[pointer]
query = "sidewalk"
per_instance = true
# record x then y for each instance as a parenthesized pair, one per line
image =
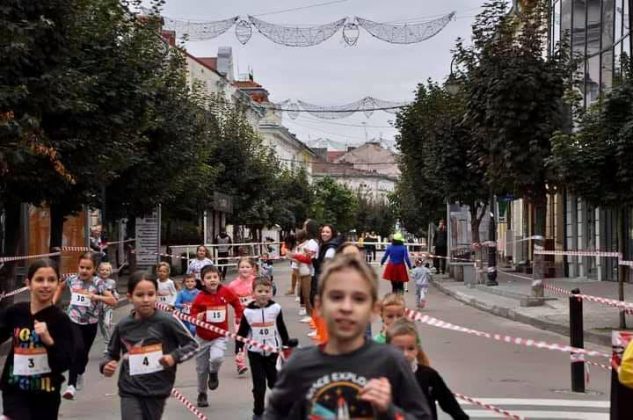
(504, 300)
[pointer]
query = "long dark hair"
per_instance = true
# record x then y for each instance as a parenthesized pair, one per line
(42, 263)
(312, 229)
(334, 233)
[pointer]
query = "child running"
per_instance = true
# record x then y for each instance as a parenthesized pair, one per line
(167, 289)
(185, 298)
(107, 311)
(422, 277)
(242, 286)
(403, 335)
(262, 321)
(86, 302)
(211, 305)
(203, 258)
(41, 348)
(392, 308)
(348, 376)
(151, 343)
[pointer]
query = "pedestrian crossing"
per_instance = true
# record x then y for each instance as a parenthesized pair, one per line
(528, 408)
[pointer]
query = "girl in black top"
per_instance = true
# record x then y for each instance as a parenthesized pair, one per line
(403, 335)
(41, 349)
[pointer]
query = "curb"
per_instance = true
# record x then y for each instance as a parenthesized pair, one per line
(599, 339)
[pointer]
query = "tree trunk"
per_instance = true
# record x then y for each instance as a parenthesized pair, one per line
(57, 226)
(621, 268)
(538, 273)
(475, 223)
(13, 243)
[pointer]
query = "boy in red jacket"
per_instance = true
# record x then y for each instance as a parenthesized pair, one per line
(211, 305)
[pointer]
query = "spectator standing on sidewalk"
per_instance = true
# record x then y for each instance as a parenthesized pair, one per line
(223, 241)
(440, 242)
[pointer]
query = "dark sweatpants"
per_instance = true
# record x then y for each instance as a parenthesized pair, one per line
(142, 408)
(84, 337)
(263, 369)
(24, 405)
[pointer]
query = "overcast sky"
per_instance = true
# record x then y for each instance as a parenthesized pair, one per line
(333, 73)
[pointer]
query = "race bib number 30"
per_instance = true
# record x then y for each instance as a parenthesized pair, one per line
(30, 361)
(146, 359)
(79, 299)
(216, 314)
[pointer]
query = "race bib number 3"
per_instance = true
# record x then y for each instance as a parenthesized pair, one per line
(30, 361)
(79, 299)
(146, 359)
(216, 314)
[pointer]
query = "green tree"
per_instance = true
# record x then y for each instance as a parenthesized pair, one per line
(515, 102)
(334, 203)
(291, 197)
(374, 215)
(596, 161)
(439, 156)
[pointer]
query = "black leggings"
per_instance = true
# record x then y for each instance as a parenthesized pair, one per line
(397, 287)
(25, 405)
(84, 337)
(263, 369)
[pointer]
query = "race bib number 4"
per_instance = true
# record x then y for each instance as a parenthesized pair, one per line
(30, 361)
(263, 330)
(79, 299)
(146, 359)
(216, 314)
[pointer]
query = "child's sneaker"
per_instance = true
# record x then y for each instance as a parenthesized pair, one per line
(242, 370)
(202, 400)
(302, 311)
(213, 381)
(69, 394)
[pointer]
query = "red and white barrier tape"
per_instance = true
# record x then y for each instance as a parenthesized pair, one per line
(76, 249)
(217, 330)
(28, 257)
(588, 253)
(425, 319)
(487, 406)
(192, 408)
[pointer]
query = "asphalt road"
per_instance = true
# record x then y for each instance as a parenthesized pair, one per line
(529, 382)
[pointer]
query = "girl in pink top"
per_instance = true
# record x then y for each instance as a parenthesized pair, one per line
(242, 286)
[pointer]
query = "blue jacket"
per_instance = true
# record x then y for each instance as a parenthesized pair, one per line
(397, 254)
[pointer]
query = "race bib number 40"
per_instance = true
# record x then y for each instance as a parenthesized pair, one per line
(263, 330)
(216, 314)
(30, 361)
(79, 299)
(146, 359)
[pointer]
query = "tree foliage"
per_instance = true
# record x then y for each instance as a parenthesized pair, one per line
(334, 203)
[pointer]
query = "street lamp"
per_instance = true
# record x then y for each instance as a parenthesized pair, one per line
(452, 84)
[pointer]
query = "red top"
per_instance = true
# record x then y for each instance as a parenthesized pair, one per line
(216, 305)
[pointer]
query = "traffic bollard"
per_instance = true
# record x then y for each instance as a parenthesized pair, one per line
(576, 339)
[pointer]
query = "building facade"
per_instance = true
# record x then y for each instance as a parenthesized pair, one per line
(598, 32)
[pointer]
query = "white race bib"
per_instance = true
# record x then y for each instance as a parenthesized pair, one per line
(165, 299)
(30, 361)
(245, 300)
(144, 360)
(263, 330)
(216, 314)
(186, 309)
(79, 299)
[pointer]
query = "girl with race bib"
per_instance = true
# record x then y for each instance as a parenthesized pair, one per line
(41, 348)
(151, 343)
(211, 305)
(167, 289)
(242, 286)
(107, 312)
(87, 297)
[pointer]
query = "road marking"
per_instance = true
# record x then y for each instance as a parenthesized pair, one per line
(542, 402)
(532, 414)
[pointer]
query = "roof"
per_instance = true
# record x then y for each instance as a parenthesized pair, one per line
(370, 152)
(332, 155)
(210, 62)
(345, 170)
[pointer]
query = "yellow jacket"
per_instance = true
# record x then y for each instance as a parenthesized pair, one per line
(626, 367)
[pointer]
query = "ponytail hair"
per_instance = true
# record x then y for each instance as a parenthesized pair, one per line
(404, 326)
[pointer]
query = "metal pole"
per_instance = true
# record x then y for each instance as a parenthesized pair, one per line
(576, 339)
(492, 244)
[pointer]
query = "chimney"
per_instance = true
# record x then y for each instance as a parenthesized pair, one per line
(225, 63)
